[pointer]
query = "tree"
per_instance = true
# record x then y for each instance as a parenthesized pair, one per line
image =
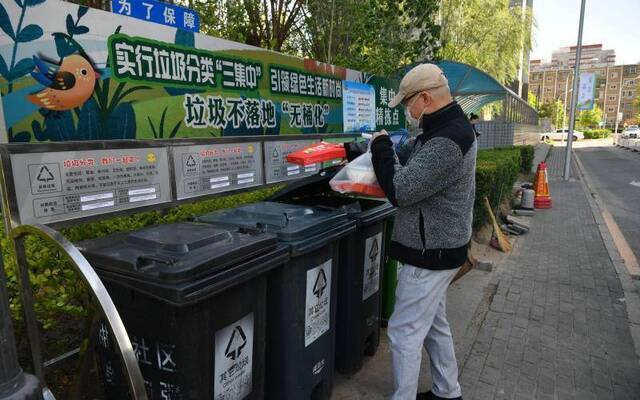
(555, 112)
(589, 119)
(377, 36)
(267, 24)
(532, 100)
(488, 34)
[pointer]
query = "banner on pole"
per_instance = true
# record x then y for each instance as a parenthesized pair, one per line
(586, 91)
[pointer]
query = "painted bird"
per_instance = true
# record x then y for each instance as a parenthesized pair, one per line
(68, 85)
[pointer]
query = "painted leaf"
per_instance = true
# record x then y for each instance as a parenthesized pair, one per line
(82, 10)
(5, 22)
(29, 33)
(63, 46)
(58, 126)
(185, 38)
(22, 68)
(121, 123)
(4, 71)
(70, 24)
(89, 122)
(19, 3)
(37, 131)
(22, 137)
(81, 30)
(31, 3)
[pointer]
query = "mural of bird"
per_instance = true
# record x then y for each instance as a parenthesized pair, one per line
(68, 85)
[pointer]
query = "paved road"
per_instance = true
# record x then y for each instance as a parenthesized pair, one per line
(615, 177)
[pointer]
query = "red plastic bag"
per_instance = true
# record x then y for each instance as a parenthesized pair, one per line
(358, 177)
(316, 153)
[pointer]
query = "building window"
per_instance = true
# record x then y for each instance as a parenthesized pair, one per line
(613, 87)
(612, 98)
(611, 109)
(614, 75)
(629, 82)
(630, 70)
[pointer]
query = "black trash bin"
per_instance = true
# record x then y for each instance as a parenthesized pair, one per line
(301, 298)
(192, 298)
(361, 258)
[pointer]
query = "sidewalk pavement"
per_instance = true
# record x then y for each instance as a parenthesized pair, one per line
(557, 327)
(550, 321)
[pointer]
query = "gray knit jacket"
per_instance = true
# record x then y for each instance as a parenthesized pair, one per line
(431, 179)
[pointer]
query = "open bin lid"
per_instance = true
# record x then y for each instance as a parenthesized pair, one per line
(171, 258)
(315, 190)
(291, 223)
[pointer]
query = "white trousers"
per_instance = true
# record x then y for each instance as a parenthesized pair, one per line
(420, 318)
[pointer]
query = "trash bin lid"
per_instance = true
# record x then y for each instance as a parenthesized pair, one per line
(290, 222)
(175, 252)
(315, 190)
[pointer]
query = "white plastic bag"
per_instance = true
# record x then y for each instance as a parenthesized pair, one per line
(358, 177)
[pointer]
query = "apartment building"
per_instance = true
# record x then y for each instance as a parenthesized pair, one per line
(593, 56)
(617, 86)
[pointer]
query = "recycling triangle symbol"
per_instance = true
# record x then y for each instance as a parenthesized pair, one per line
(191, 162)
(275, 153)
(45, 175)
(320, 285)
(237, 341)
(373, 253)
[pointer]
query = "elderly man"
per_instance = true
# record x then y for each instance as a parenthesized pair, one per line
(431, 179)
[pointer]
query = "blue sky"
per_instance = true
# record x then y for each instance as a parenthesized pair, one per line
(614, 23)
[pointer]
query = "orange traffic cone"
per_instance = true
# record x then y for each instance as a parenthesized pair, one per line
(543, 198)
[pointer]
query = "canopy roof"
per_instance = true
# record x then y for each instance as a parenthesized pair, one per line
(474, 88)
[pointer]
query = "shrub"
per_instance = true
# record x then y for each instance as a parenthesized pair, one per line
(496, 172)
(58, 296)
(597, 134)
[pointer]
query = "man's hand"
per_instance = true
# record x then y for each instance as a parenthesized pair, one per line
(377, 134)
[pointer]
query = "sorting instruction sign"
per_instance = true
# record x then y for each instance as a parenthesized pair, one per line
(234, 360)
(208, 169)
(277, 167)
(371, 273)
(318, 302)
(57, 186)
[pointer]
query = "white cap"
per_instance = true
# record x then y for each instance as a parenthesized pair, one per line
(420, 78)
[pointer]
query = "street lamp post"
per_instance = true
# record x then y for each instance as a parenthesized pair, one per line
(574, 96)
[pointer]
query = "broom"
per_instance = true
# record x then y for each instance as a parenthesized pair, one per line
(503, 242)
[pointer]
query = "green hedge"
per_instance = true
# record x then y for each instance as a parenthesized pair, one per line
(496, 173)
(597, 134)
(58, 296)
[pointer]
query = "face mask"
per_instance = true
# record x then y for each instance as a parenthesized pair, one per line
(413, 122)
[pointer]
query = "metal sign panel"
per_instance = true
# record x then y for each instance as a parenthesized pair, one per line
(208, 169)
(277, 169)
(59, 186)
(158, 12)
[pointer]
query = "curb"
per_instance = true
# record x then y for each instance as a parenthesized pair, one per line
(631, 297)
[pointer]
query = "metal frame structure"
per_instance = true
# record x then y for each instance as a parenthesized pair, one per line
(473, 89)
(18, 233)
